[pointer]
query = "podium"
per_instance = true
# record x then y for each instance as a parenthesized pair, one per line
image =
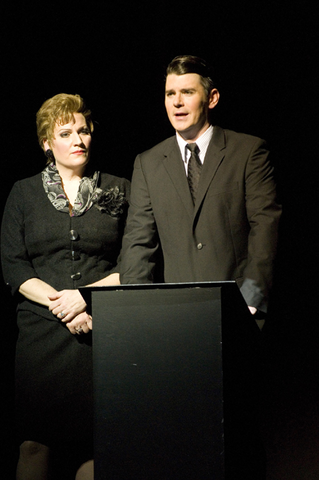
(164, 357)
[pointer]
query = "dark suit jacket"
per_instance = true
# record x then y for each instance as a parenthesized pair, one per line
(230, 234)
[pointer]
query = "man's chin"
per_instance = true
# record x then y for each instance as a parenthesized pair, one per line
(188, 134)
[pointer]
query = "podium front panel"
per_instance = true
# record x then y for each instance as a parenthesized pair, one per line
(158, 383)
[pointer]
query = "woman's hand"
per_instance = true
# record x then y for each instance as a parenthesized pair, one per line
(67, 304)
(82, 323)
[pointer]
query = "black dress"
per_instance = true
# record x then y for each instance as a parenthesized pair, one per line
(53, 367)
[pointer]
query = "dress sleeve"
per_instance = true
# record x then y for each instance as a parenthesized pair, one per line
(16, 265)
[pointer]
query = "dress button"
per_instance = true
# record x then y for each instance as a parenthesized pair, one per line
(76, 276)
(75, 255)
(74, 235)
(199, 246)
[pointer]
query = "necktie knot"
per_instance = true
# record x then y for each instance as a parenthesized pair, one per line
(193, 147)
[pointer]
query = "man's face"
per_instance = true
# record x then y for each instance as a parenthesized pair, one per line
(187, 104)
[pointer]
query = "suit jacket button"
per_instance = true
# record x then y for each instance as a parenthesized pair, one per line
(199, 246)
(76, 276)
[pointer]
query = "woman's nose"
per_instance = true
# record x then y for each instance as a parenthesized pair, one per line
(77, 138)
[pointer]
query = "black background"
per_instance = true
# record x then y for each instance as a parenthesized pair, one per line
(114, 55)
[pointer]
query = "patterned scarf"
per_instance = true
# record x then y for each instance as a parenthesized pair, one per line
(52, 185)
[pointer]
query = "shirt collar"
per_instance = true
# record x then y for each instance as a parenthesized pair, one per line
(202, 142)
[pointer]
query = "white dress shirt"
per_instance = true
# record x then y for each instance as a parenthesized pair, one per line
(202, 143)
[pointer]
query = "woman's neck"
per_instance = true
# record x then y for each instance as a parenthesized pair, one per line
(67, 175)
(71, 188)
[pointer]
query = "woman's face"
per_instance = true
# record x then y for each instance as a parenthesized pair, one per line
(71, 144)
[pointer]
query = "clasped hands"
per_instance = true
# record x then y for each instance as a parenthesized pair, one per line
(70, 307)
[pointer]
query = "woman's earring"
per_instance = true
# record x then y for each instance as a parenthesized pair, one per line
(49, 154)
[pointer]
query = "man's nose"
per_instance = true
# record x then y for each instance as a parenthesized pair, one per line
(178, 100)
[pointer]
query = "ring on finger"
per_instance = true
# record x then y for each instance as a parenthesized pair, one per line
(62, 314)
(79, 330)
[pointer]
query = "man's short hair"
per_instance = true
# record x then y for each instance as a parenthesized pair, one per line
(183, 64)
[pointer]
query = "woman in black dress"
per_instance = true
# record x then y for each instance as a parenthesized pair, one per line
(61, 229)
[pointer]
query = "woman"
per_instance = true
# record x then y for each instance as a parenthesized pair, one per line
(61, 229)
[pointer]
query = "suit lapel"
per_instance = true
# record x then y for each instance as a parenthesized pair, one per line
(173, 164)
(214, 155)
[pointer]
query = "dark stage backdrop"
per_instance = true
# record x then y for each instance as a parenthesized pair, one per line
(265, 58)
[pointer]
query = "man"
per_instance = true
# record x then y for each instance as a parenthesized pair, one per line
(203, 206)
(225, 228)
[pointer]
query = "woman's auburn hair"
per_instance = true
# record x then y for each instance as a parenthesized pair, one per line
(60, 110)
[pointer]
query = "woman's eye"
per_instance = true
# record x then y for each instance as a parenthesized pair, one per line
(64, 134)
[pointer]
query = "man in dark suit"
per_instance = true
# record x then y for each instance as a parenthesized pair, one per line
(203, 206)
(222, 228)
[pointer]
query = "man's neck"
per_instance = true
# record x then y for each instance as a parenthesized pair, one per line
(191, 136)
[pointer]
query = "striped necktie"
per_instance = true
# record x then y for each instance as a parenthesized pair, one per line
(194, 169)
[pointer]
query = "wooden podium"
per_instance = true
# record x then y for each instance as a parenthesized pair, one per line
(159, 356)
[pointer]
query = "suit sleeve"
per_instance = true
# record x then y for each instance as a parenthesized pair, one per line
(263, 213)
(140, 243)
(16, 265)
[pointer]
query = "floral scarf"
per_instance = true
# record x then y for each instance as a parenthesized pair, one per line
(111, 201)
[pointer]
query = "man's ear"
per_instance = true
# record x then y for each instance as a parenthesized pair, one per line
(213, 98)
